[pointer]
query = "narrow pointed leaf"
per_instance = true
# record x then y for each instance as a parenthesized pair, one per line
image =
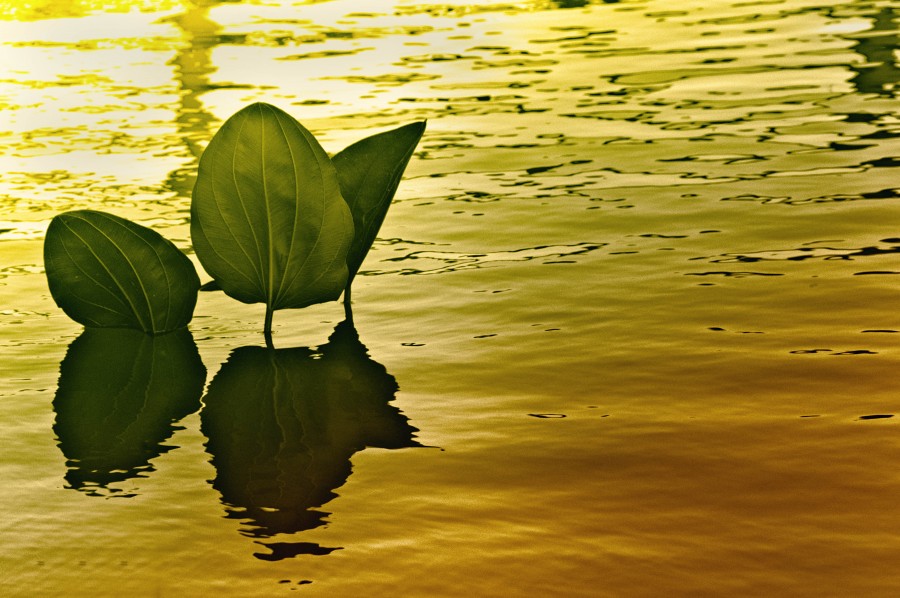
(108, 272)
(369, 172)
(268, 222)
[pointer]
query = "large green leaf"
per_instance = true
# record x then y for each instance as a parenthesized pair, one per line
(369, 172)
(283, 425)
(268, 221)
(108, 272)
(120, 393)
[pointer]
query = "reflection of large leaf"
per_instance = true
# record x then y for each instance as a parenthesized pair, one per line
(105, 271)
(120, 393)
(283, 424)
(267, 218)
(369, 172)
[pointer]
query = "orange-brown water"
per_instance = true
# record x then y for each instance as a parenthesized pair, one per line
(630, 329)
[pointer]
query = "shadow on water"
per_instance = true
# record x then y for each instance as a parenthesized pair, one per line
(282, 426)
(120, 395)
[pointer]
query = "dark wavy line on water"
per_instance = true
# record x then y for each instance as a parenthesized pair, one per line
(806, 253)
(834, 198)
(452, 261)
(733, 274)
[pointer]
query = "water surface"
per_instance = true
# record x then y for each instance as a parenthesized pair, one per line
(630, 327)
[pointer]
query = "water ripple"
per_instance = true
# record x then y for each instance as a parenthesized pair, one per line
(886, 246)
(446, 261)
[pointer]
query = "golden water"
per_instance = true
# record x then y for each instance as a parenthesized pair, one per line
(630, 329)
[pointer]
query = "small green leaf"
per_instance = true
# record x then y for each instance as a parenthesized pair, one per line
(120, 393)
(268, 221)
(108, 272)
(369, 172)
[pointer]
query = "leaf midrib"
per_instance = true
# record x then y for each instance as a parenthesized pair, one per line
(269, 233)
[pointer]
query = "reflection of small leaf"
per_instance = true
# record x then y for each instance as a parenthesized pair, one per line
(120, 392)
(283, 425)
(369, 172)
(107, 272)
(267, 218)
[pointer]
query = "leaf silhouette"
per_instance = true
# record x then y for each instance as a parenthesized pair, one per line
(283, 424)
(108, 272)
(268, 222)
(369, 172)
(120, 393)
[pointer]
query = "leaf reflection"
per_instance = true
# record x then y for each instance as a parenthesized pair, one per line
(878, 73)
(120, 393)
(283, 424)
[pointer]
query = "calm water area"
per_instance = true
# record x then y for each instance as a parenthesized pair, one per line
(630, 329)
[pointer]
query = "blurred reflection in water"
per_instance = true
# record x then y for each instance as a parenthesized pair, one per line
(879, 74)
(571, 3)
(193, 64)
(120, 393)
(283, 424)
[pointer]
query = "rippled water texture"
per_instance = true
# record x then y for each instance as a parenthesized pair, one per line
(630, 327)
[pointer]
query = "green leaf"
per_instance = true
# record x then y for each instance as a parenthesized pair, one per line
(268, 221)
(283, 425)
(120, 393)
(108, 272)
(369, 172)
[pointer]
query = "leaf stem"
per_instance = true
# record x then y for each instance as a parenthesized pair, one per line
(267, 327)
(348, 310)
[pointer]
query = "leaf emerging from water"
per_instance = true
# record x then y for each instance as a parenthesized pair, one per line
(268, 221)
(369, 172)
(108, 272)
